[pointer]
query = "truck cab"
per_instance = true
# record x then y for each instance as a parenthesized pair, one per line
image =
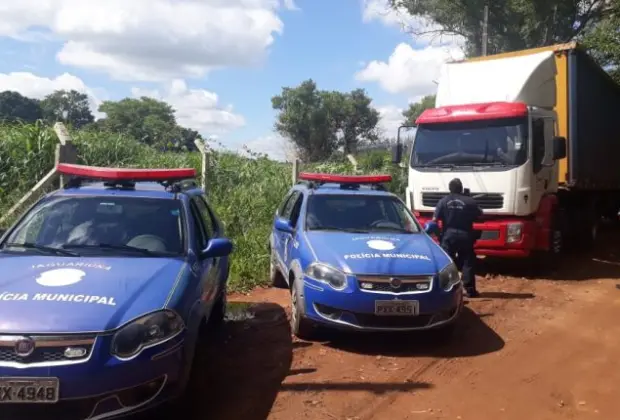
(495, 126)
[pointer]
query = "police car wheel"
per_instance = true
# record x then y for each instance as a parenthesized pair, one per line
(300, 326)
(218, 312)
(276, 278)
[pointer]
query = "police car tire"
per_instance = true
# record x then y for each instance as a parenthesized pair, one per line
(218, 313)
(300, 326)
(276, 278)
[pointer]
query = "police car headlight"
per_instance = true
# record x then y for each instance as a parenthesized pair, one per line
(146, 332)
(514, 231)
(326, 274)
(449, 276)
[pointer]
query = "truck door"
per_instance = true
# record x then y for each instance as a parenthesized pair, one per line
(542, 155)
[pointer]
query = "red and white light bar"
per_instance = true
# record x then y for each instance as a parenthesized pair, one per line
(345, 179)
(125, 174)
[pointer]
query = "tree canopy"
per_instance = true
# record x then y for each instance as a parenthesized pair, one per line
(318, 122)
(415, 109)
(69, 106)
(15, 107)
(512, 24)
(147, 120)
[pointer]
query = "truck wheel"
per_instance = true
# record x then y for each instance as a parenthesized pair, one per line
(276, 278)
(301, 327)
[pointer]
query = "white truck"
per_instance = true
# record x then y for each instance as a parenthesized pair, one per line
(534, 136)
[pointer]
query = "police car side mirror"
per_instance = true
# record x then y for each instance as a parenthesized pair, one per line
(283, 225)
(217, 247)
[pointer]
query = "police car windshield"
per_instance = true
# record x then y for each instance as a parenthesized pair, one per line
(358, 214)
(128, 226)
(501, 142)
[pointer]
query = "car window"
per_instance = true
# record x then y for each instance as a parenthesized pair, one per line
(284, 203)
(207, 217)
(359, 213)
(288, 208)
(200, 235)
(296, 209)
(146, 223)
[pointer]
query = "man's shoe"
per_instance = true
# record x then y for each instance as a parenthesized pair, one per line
(472, 293)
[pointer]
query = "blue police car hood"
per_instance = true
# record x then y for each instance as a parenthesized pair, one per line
(389, 254)
(44, 294)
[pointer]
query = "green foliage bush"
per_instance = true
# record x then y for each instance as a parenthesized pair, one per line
(244, 192)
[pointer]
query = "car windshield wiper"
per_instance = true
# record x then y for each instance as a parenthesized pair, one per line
(112, 247)
(43, 248)
(339, 229)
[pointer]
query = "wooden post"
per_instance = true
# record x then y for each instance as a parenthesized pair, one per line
(204, 162)
(295, 171)
(66, 151)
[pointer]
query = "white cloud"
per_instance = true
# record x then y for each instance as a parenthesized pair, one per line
(150, 40)
(391, 119)
(274, 146)
(409, 71)
(423, 30)
(196, 108)
(33, 86)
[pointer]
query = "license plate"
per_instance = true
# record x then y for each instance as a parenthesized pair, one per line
(396, 307)
(28, 390)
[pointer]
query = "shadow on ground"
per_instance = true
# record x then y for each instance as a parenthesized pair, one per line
(600, 262)
(472, 337)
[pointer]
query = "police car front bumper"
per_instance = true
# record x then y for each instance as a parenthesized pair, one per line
(356, 310)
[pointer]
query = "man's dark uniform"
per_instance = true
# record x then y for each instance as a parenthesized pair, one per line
(458, 212)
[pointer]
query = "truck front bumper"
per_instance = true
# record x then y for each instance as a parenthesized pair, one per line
(495, 240)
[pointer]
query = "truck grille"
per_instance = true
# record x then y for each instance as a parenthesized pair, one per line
(486, 201)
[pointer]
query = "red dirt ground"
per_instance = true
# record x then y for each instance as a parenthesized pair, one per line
(527, 349)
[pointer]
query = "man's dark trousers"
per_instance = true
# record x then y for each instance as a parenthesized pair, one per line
(459, 245)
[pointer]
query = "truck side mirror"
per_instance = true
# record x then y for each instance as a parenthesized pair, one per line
(559, 148)
(397, 153)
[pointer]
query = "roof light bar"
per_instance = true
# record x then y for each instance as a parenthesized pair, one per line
(125, 174)
(345, 179)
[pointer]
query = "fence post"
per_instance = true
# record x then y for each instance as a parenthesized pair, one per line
(204, 162)
(353, 161)
(66, 151)
(295, 171)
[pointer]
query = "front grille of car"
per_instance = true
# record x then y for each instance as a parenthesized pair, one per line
(47, 349)
(486, 201)
(395, 284)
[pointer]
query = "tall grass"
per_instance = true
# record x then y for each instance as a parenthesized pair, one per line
(243, 191)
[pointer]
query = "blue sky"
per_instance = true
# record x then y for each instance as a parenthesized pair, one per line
(219, 62)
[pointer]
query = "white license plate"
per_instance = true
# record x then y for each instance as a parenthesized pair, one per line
(397, 307)
(29, 390)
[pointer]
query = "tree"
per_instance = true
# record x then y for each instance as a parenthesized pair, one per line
(15, 107)
(512, 24)
(318, 122)
(415, 110)
(69, 106)
(604, 41)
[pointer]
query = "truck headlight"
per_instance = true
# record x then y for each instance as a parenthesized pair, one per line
(514, 231)
(449, 276)
(326, 274)
(146, 331)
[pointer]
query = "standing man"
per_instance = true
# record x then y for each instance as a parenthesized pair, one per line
(458, 212)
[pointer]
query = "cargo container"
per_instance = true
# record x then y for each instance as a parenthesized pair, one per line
(534, 135)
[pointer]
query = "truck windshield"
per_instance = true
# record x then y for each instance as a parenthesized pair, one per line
(501, 142)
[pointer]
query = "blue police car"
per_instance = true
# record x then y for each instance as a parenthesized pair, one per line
(105, 286)
(354, 257)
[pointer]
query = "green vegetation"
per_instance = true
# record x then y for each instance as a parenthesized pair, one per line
(244, 191)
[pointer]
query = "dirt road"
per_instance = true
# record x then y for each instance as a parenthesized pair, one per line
(527, 349)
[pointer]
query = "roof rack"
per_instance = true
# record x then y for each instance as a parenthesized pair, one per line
(174, 180)
(353, 182)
